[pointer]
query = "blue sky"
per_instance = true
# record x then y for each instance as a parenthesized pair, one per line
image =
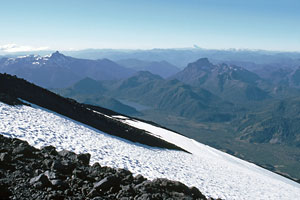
(146, 24)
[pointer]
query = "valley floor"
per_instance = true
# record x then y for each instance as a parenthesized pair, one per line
(282, 159)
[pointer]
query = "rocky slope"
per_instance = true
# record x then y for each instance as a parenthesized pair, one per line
(277, 123)
(30, 173)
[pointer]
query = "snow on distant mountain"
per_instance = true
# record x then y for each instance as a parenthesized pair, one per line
(215, 173)
(59, 71)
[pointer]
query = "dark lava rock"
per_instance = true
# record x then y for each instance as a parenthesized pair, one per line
(93, 193)
(49, 149)
(52, 175)
(84, 158)
(79, 174)
(40, 181)
(68, 155)
(57, 166)
(29, 173)
(59, 184)
(5, 157)
(62, 166)
(5, 193)
(24, 149)
(139, 179)
(10, 100)
(107, 183)
(47, 163)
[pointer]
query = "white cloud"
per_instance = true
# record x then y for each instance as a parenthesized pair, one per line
(12, 48)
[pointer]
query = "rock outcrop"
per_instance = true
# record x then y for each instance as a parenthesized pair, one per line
(30, 173)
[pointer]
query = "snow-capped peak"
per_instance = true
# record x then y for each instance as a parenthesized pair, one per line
(37, 60)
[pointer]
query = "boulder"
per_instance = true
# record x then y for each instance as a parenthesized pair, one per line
(68, 154)
(25, 150)
(4, 190)
(84, 158)
(40, 181)
(5, 157)
(49, 149)
(106, 183)
(59, 184)
(52, 175)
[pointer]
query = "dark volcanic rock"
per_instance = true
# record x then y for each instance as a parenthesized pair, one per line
(52, 175)
(5, 157)
(10, 100)
(40, 181)
(46, 174)
(107, 183)
(50, 150)
(5, 193)
(59, 184)
(24, 149)
(84, 158)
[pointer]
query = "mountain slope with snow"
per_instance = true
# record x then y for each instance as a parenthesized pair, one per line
(60, 71)
(215, 173)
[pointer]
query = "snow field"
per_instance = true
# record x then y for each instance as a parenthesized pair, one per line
(215, 173)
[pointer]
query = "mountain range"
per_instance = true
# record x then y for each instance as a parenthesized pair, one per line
(57, 70)
(226, 106)
(153, 91)
(223, 105)
(232, 83)
(253, 60)
(285, 77)
(172, 96)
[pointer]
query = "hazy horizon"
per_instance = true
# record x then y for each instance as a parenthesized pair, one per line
(210, 24)
(29, 49)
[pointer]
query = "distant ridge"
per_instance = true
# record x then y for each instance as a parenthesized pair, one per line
(90, 91)
(59, 71)
(230, 82)
(161, 68)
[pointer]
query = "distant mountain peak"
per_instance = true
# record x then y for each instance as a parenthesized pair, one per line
(223, 79)
(203, 62)
(57, 54)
